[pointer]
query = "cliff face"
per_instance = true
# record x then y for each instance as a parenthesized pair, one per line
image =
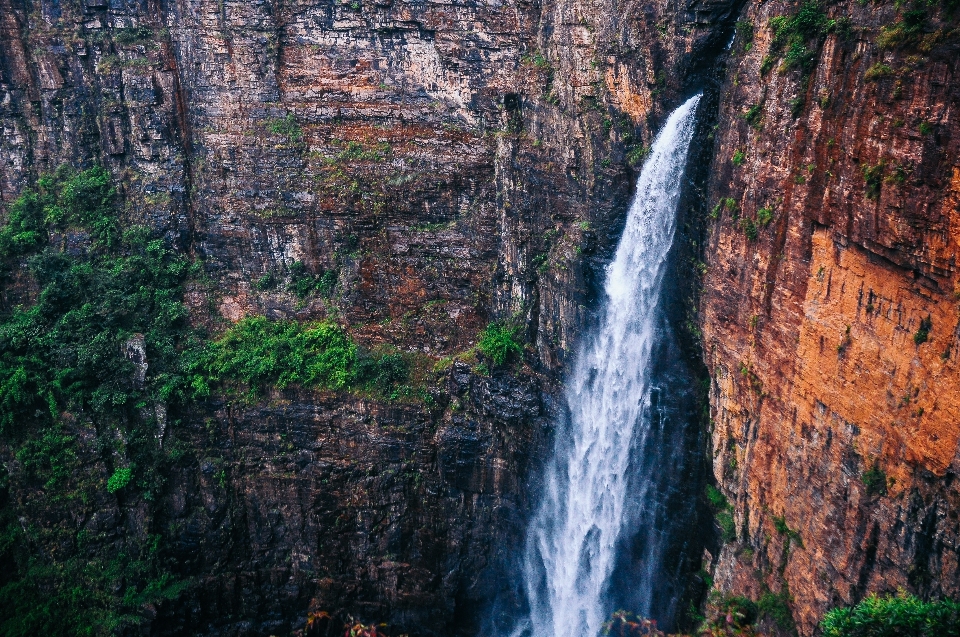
(452, 163)
(830, 310)
(446, 164)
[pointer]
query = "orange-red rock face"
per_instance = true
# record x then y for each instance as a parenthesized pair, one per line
(823, 380)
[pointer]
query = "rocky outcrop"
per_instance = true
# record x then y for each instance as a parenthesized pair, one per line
(442, 165)
(830, 313)
(448, 164)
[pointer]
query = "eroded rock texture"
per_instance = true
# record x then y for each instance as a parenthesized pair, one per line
(455, 162)
(832, 334)
(448, 163)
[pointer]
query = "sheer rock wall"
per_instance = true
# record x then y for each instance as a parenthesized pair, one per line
(835, 421)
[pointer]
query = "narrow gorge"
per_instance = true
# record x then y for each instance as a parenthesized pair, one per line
(416, 317)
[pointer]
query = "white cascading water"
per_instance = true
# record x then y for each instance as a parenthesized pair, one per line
(572, 540)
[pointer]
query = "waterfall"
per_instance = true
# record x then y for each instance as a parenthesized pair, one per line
(572, 540)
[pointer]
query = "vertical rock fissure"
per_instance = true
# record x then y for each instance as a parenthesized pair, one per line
(613, 408)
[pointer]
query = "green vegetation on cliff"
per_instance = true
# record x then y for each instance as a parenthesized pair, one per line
(901, 615)
(83, 301)
(500, 341)
(261, 354)
(97, 360)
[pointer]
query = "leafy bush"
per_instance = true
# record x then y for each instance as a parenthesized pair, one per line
(738, 157)
(877, 71)
(923, 332)
(261, 353)
(132, 35)
(637, 154)
(266, 282)
(728, 529)
(302, 283)
(742, 610)
(382, 372)
(286, 127)
(65, 352)
(776, 606)
(753, 115)
(749, 228)
(722, 513)
(499, 341)
(875, 480)
(745, 33)
(49, 458)
(908, 30)
(716, 498)
(63, 200)
(61, 353)
(120, 478)
(764, 216)
(873, 178)
(902, 615)
(794, 36)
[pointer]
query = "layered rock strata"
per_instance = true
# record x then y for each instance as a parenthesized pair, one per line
(830, 311)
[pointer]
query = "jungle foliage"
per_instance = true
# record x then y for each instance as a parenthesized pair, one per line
(96, 355)
(901, 615)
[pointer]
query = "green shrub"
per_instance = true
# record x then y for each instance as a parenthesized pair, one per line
(286, 127)
(727, 203)
(873, 178)
(62, 352)
(67, 199)
(753, 115)
(767, 64)
(722, 513)
(908, 30)
(500, 341)
(877, 71)
(727, 526)
(745, 33)
(923, 332)
(637, 154)
(894, 616)
(132, 35)
(261, 353)
(776, 606)
(749, 228)
(742, 610)
(738, 157)
(25, 229)
(796, 106)
(716, 498)
(382, 372)
(302, 283)
(49, 458)
(65, 351)
(792, 36)
(764, 216)
(120, 478)
(875, 480)
(266, 282)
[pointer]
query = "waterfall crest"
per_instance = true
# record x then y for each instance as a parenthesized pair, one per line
(572, 540)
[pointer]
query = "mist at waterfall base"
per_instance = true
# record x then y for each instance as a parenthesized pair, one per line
(605, 535)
